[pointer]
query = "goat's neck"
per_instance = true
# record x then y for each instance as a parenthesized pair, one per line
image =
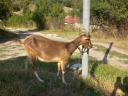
(73, 45)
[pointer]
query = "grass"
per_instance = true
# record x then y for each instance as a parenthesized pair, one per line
(70, 34)
(16, 81)
(117, 42)
(107, 77)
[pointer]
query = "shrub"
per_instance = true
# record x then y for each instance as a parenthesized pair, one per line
(25, 20)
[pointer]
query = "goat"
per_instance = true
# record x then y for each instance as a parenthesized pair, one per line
(47, 50)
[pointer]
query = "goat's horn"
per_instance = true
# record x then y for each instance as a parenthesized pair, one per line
(84, 32)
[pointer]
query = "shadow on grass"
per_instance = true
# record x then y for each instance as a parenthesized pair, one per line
(122, 84)
(105, 58)
(6, 36)
(16, 81)
(24, 34)
(94, 65)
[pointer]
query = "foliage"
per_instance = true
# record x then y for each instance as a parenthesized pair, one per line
(25, 20)
(20, 4)
(5, 9)
(47, 10)
(115, 9)
(39, 19)
(50, 14)
(111, 12)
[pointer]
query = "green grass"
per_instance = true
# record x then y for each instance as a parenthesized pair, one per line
(107, 72)
(24, 21)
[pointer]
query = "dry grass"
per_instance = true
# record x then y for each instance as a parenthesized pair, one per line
(118, 42)
(70, 34)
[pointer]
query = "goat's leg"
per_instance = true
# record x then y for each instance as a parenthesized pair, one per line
(63, 77)
(59, 69)
(34, 69)
(63, 72)
(28, 61)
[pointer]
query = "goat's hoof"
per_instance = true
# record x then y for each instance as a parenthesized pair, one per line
(64, 82)
(42, 81)
(59, 77)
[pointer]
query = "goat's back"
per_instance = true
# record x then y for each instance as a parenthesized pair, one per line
(46, 48)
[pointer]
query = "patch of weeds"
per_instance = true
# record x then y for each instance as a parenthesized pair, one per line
(107, 72)
(37, 89)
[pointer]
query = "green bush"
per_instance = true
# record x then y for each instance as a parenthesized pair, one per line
(111, 13)
(5, 9)
(39, 19)
(48, 14)
(25, 20)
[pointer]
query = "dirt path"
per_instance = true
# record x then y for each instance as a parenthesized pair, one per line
(11, 49)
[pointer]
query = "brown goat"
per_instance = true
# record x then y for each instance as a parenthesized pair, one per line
(47, 50)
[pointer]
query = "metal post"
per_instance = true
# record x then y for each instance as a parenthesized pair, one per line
(86, 21)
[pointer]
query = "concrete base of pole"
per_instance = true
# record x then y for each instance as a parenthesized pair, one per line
(85, 65)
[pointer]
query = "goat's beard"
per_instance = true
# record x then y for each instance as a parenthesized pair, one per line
(90, 45)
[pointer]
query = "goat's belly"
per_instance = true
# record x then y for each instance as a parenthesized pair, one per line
(48, 60)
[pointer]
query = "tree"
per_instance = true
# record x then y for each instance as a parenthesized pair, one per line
(111, 13)
(48, 13)
(5, 9)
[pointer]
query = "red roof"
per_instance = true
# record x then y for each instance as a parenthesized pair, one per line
(71, 20)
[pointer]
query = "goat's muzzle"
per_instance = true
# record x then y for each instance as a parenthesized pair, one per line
(87, 45)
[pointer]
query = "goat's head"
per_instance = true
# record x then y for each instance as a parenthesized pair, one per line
(85, 40)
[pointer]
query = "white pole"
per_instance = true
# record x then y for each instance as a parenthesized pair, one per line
(86, 21)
